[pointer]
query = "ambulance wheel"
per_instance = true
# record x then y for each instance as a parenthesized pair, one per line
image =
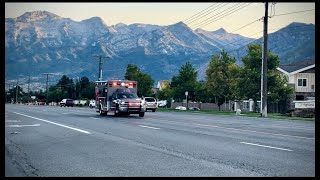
(141, 114)
(116, 112)
(101, 112)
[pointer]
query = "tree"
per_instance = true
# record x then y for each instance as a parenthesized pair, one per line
(234, 74)
(132, 72)
(186, 80)
(201, 93)
(65, 88)
(83, 87)
(249, 85)
(12, 94)
(88, 92)
(220, 77)
(164, 94)
(145, 82)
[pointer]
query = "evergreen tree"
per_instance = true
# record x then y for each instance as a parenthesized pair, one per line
(186, 80)
(145, 82)
(249, 86)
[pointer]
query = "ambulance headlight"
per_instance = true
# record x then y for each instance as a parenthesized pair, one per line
(122, 84)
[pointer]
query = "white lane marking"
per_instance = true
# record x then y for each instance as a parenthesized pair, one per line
(149, 127)
(94, 118)
(252, 131)
(15, 132)
(13, 121)
(23, 125)
(76, 129)
(66, 113)
(266, 146)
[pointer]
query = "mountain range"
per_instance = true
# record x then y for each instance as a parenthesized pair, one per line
(41, 42)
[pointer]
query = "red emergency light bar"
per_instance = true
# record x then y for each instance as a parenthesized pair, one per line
(115, 83)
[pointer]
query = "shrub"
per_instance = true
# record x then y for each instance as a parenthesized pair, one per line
(309, 115)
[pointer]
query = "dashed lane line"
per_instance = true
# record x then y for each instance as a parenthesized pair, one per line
(65, 126)
(266, 146)
(148, 127)
(23, 125)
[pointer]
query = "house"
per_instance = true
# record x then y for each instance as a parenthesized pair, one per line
(162, 84)
(301, 76)
(154, 90)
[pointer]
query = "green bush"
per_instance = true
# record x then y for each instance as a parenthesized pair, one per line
(309, 115)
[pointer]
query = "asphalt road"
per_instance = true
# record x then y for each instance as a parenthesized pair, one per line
(64, 141)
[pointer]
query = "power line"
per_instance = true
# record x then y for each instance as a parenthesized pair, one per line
(224, 15)
(294, 12)
(219, 13)
(208, 21)
(232, 10)
(197, 14)
(246, 25)
(205, 14)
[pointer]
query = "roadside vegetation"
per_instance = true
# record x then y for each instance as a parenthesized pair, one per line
(232, 113)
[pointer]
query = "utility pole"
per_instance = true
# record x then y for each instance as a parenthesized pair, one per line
(9, 92)
(17, 92)
(100, 66)
(264, 90)
(47, 85)
(79, 87)
(29, 86)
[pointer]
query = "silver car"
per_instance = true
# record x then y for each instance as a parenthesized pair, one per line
(151, 103)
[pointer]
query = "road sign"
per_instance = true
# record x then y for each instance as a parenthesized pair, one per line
(186, 93)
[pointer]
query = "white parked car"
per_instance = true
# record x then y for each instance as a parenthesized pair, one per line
(151, 103)
(162, 103)
(92, 103)
(181, 108)
(194, 108)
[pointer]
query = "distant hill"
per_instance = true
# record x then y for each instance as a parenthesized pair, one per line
(293, 43)
(40, 42)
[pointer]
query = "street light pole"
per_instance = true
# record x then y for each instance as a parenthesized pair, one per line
(186, 93)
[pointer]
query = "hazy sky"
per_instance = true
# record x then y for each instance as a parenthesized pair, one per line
(170, 13)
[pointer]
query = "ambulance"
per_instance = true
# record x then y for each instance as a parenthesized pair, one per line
(118, 97)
